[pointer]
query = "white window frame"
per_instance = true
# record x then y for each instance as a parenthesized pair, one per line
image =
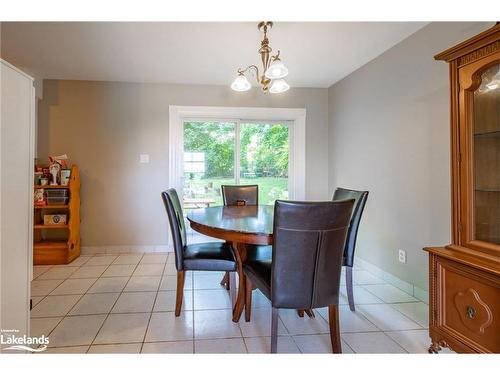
(295, 118)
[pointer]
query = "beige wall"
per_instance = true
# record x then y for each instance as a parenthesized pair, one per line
(104, 126)
(389, 134)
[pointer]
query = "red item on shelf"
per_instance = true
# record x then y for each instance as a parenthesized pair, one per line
(39, 197)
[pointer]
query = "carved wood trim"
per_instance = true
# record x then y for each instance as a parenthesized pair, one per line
(433, 311)
(460, 304)
(455, 153)
(479, 53)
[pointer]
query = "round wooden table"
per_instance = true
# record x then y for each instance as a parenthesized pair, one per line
(239, 225)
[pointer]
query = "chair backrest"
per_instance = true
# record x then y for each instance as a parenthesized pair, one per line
(360, 198)
(308, 246)
(240, 195)
(177, 225)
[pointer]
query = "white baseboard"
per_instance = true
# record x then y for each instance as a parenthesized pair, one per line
(123, 249)
(415, 291)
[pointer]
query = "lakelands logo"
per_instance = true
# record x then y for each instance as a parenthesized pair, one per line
(10, 337)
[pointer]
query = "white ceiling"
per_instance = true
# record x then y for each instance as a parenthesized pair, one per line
(316, 54)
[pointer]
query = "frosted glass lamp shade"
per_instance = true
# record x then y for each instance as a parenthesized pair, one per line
(278, 86)
(241, 83)
(276, 70)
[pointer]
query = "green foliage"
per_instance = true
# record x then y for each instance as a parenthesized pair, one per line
(267, 148)
(216, 140)
(263, 148)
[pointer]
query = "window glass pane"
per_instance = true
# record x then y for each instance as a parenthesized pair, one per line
(487, 156)
(208, 161)
(264, 152)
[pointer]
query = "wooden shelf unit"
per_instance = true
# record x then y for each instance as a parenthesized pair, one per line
(50, 226)
(464, 276)
(53, 206)
(58, 244)
(52, 187)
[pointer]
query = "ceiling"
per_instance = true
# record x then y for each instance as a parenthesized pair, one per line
(317, 54)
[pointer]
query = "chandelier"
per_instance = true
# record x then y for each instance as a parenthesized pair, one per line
(273, 70)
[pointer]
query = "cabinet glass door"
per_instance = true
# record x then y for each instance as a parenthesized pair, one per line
(486, 133)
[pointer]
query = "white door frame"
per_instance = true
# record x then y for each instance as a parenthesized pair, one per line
(297, 131)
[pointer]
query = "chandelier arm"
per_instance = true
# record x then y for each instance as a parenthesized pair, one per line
(250, 67)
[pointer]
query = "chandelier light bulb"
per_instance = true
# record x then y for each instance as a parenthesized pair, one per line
(277, 70)
(241, 83)
(278, 86)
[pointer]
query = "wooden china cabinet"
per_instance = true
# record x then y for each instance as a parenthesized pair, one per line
(464, 277)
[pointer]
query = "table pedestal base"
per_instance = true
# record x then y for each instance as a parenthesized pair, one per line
(240, 254)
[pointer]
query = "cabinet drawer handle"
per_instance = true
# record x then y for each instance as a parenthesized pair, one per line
(471, 312)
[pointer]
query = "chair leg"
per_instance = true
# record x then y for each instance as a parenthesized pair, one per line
(226, 282)
(274, 330)
(310, 313)
(348, 284)
(333, 319)
(231, 281)
(180, 292)
(248, 299)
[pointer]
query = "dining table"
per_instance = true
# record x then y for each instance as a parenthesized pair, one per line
(239, 226)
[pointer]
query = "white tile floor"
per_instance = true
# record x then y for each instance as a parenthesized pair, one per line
(125, 304)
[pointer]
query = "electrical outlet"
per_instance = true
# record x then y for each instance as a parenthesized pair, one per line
(402, 256)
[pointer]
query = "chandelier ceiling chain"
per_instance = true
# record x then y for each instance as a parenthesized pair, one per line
(273, 70)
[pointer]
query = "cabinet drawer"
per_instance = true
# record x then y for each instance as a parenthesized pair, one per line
(469, 305)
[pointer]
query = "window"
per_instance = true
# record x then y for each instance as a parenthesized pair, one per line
(199, 189)
(219, 152)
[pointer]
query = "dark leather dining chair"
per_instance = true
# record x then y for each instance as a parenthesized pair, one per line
(307, 255)
(207, 256)
(360, 198)
(238, 195)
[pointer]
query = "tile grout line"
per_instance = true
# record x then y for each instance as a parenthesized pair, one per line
(41, 265)
(409, 317)
(72, 307)
(49, 293)
(239, 325)
(63, 317)
(288, 331)
(247, 337)
(397, 343)
(119, 295)
(389, 305)
(192, 301)
(211, 309)
(154, 303)
(241, 317)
